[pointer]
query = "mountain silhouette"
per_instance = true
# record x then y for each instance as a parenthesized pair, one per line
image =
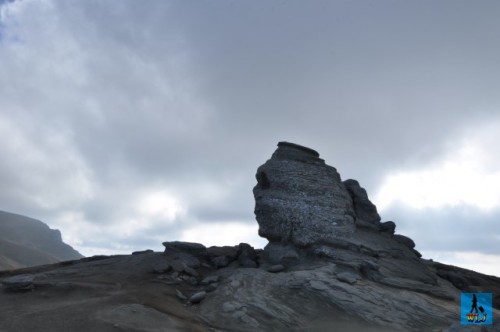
(28, 242)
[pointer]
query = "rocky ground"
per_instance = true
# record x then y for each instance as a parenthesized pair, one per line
(184, 290)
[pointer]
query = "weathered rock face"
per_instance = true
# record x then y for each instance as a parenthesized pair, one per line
(301, 200)
(366, 211)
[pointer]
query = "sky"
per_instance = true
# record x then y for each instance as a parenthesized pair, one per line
(129, 123)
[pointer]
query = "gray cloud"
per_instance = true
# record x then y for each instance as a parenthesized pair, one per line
(102, 102)
(454, 229)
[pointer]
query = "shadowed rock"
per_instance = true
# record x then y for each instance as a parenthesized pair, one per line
(365, 210)
(388, 227)
(187, 247)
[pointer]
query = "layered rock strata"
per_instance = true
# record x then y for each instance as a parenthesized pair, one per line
(301, 200)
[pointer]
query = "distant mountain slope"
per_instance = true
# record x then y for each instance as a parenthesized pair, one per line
(27, 242)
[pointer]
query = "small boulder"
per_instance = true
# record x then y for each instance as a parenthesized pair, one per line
(247, 257)
(406, 241)
(210, 280)
(197, 297)
(280, 253)
(18, 283)
(348, 277)
(387, 227)
(276, 268)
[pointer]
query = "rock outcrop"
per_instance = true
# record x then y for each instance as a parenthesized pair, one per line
(365, 210)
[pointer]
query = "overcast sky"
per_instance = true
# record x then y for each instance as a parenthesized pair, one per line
(128, 123)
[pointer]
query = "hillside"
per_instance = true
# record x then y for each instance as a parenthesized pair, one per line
(27, 242)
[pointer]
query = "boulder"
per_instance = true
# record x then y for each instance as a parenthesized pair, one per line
(222, 256)
(278, 253)
(187, 247)
(406, 241)
(300, 200)
(247, 257)
(197, 297)
(387, 227)
(18, 283)
(348, 277)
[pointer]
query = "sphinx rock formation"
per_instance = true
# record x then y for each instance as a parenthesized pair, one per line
(300, 200)
(303, 207)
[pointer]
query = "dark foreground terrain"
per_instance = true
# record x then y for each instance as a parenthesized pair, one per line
(151, 291)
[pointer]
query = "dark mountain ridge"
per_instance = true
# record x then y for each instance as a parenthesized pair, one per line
(27, 242)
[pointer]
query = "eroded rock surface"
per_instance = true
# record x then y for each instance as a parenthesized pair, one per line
(365, 210)
(301, 200)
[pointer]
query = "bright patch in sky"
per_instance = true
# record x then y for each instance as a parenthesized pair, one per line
(482, 263)
(159, 204)
(224, 234)
(465, 177)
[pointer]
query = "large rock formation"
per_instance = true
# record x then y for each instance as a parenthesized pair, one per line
(301, 200)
